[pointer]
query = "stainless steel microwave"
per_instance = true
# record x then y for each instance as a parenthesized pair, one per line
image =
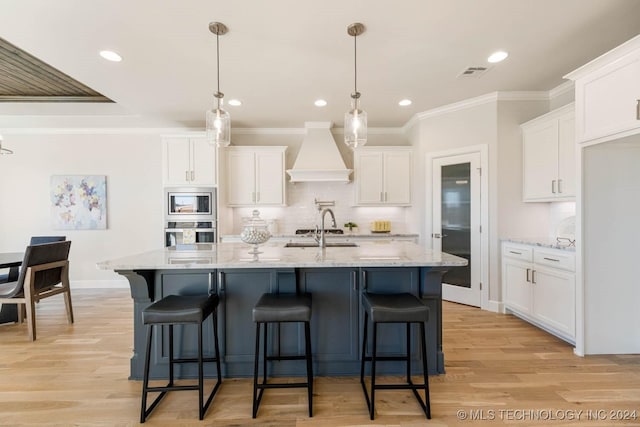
(190, 204)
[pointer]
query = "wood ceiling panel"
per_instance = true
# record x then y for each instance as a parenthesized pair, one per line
(24, 78)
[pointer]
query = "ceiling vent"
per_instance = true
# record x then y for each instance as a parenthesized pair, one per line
(474, 72)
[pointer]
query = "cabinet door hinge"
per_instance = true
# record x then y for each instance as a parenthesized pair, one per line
(480, 171)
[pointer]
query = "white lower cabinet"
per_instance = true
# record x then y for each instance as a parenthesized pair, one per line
(539, 286)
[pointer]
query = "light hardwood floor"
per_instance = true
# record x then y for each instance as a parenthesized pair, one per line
(500, 370)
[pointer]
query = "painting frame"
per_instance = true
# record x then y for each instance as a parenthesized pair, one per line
(78, 202)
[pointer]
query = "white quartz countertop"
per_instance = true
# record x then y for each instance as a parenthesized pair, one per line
(542, 242)
(365, 235)
(275, 255)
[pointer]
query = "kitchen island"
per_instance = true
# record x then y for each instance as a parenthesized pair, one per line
(335, 276)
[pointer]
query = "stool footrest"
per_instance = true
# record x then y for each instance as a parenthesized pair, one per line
(283, 385)
(387, 358)
(286, 357)
(195, 360)
(172, 388)
(399, 386)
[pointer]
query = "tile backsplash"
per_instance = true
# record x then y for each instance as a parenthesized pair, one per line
(301, 212)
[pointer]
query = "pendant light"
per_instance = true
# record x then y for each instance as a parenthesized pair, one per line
(4, 150)
(355, 120)
(218, 120)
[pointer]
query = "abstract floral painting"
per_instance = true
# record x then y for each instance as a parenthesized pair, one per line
(79, 202)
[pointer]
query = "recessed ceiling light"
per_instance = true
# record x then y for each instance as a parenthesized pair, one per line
(404, 102)
(320, 103)
(110, 56)
(235, 102)
(497, 56)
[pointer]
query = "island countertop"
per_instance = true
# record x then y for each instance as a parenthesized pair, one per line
(275, 255)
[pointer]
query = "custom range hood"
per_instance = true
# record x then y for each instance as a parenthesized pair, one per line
(319, 159)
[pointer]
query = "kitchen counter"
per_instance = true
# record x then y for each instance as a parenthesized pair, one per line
(335, 276)
(275, 255)
(336, 237)
(541, 242)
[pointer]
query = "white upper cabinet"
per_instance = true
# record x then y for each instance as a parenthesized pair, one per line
(383, 176)
(608, 94)
(548, 156)
(255, 176)
(188, 161)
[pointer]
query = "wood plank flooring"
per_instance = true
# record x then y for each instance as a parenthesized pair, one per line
(500, 371)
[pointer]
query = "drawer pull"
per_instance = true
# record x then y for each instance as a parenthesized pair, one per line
(553, 186)
(533, 277)
(551, 259)
(517, 253)
(528, 272)
(638, 110)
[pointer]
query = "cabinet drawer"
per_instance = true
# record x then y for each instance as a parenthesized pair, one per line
(555, 259)
(522, 253)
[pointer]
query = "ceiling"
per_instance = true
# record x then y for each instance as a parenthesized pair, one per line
(279, 56)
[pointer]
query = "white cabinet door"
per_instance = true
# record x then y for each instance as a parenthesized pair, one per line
(397, 177)
(269, 178)
(517, 287)
(383, 176)
(369, 176)
(566, 156)
(189, 161)
(609, 98)
(549, 157)
(177, 170)
(255, 176)
(203, 162)
(241, 177)
(554, 299)
(540, 161)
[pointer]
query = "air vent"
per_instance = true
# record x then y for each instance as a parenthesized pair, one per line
(474, 72)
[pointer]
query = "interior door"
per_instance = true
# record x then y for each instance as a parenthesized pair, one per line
(456, 223)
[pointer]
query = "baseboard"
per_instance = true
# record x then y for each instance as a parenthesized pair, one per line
(495, 306)
(98, 284)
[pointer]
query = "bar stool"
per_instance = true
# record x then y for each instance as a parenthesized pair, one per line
(172, 310)
(395, 308)
(275, 308)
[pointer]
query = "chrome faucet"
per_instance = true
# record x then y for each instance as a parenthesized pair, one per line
(322, 241)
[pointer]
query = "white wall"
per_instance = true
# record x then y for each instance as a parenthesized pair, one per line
(611, 236)
(132, 165)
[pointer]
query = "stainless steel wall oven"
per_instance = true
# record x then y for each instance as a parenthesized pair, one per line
(190, 215)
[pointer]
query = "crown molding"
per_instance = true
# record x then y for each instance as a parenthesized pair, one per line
(561, 89)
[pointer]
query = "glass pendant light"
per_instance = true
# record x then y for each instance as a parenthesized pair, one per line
(218, 120)
(355, 120)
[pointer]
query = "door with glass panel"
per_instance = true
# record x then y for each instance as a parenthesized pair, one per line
(456, 223)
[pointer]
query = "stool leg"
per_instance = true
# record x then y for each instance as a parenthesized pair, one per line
(255, 372)
(200, 374)
(373, 370)
(307, 340)
(215, 341)
(364, 356)
(408, 352)
(425, 372)
(145, 381)
(264, 353)
(170, 355)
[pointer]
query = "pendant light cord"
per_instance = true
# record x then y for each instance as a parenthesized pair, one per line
(355, 64)
(218, 66)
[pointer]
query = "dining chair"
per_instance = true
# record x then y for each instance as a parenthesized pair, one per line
(35, 240)
(38, 240)
(44, 273)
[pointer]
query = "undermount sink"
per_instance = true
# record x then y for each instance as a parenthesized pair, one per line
(315, 245)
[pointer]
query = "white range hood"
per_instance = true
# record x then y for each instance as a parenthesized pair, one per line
(319, 159)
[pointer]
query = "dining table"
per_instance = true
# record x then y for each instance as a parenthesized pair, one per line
(12, 261)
